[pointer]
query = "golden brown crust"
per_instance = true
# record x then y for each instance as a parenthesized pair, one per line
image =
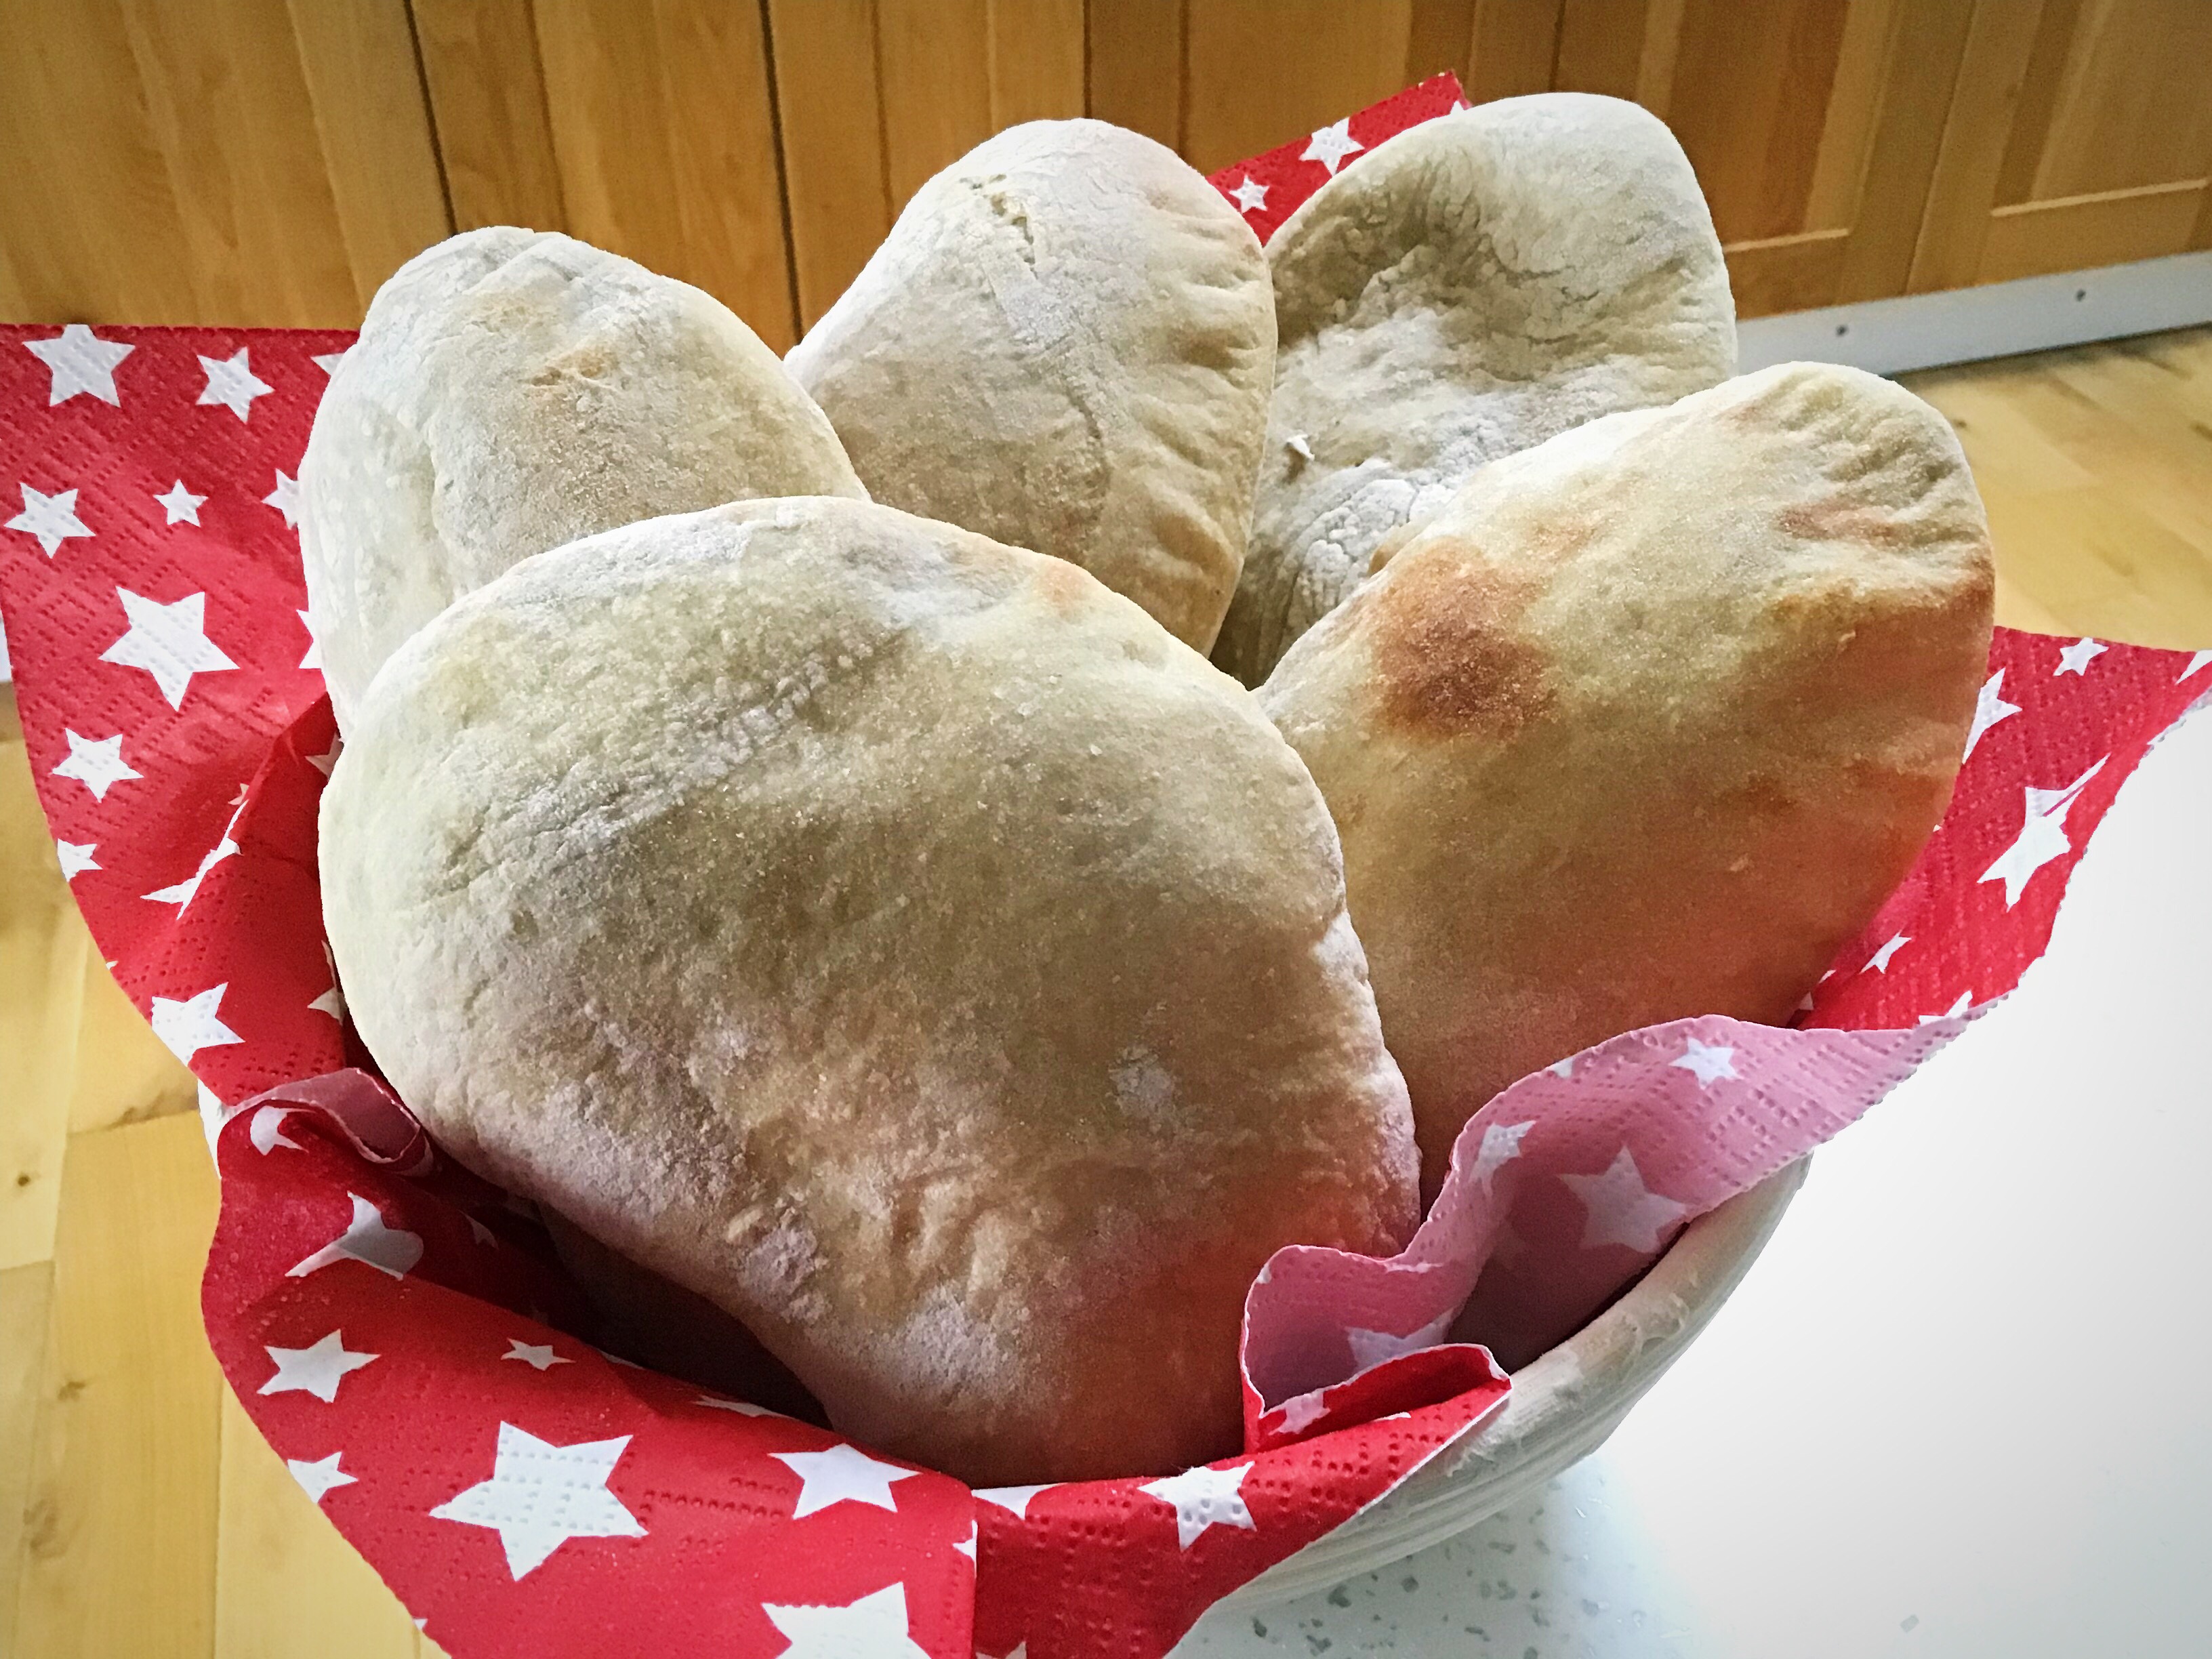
(1647, 721)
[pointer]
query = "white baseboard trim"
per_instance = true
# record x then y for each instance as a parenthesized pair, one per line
(1960, 325)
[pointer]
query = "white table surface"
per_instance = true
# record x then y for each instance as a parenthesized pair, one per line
(1962, 1405)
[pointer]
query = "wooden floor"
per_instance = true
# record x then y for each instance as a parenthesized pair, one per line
(140, 1513)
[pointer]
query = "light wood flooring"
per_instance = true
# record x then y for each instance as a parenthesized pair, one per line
(141, 1515)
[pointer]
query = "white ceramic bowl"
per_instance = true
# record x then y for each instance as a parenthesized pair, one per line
(1563, 1406)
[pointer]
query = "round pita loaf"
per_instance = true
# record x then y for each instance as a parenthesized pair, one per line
(906, 945)
(1647, 722)
(1479, 284)
(512, 390)
(1064, 343)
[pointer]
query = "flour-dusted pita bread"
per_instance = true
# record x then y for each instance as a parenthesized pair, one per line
(1064, 343)
(1647, 722)
(906, 944)
(512, 390)
(1479, 284)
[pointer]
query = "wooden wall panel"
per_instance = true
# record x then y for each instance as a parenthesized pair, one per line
(372, 121)
(270, 161)
(1258, 73)
(2079, 133)
(1512, 46)
(667, 146)
(488, 96)
(1813, 124)
(2130, 110)
(830, 114)
(1752, 115)
(875, 96)
(1136, 53)
(171, 161)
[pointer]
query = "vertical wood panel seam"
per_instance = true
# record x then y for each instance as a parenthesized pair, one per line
(430, 120)
(545, 108)
(883, 105)
(323, 146)
(1183, 79)
(783, 170)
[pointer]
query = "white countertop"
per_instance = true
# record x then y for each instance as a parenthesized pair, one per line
(1963, 1404)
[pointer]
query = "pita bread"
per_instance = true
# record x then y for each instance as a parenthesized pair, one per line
(906, 945)
(513, 390)
(1647, 722)
(1064, 343)
(1481, 282)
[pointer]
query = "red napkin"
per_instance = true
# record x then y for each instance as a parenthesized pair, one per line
(402, 1333)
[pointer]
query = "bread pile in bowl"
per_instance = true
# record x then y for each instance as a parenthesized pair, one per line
(789, 826)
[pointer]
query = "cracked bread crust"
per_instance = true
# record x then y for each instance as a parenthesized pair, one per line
(1066, 344)
(1479, 284)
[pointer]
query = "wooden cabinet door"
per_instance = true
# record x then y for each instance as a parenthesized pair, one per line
(2080, 134)
(1814, 125)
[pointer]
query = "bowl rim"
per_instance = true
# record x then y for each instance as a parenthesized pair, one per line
(1563, 1406)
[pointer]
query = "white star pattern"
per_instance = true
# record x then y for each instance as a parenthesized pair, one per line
(482, 1234)
(313, 656)
(1203, 1497)
(79, 361)
(2076, 659)
(1501, 1144)
(1965, 1001)
(873, 1627)
(97, 763)
(186, 1025)
(2195, 662)
(391, 1250)
(169, 641)
(1300, 1412)
(317, 1370)
(51, 519)
(329, 757)
(183, 892)
(1621, 1209)
(285, 498)
(967, 1545)
(841, 1474)
(540, 1357)
(1562, 1067)
(1250, 197)
(331, 1002)
(1880, 960)
(1013, 1499)
(2042, 835)
(77, 858)
(1709, 1062)
(179, 505)
(1332, 146)
(266, 1132)
(1370, 1348)
(231, 383)
(318, 1478)
(1989, 709)
(541, 1495)
(329, 362)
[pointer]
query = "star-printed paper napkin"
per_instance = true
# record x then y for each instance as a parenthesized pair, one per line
(403, 1334)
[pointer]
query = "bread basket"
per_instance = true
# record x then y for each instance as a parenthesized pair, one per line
(1563, 1404)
